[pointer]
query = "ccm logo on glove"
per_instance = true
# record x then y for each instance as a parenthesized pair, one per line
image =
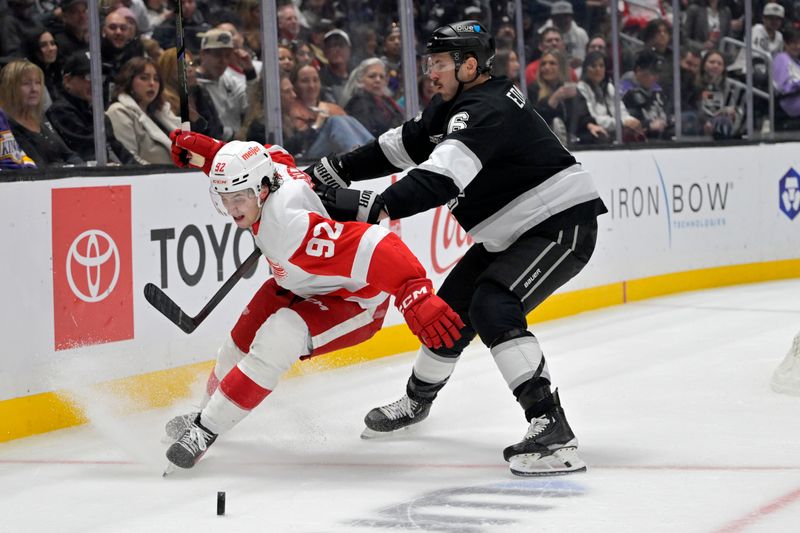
(428, 316)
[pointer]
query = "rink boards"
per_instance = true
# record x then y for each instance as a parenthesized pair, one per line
(79, 251)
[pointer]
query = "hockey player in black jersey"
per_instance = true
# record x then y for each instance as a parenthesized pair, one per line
(480, 148)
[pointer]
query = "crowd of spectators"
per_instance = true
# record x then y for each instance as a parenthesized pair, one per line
(341, 71)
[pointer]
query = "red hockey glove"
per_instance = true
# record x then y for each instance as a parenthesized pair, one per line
(428, 316)
(190, 149)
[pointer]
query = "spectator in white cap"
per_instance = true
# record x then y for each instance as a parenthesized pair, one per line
(334, 75)
(575, 37)
(227, 89)
(767, 38)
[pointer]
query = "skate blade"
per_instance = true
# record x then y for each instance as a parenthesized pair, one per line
(170, 468)
(369, 434)
(560, 462)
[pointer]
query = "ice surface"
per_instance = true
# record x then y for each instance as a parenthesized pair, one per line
(669, 398)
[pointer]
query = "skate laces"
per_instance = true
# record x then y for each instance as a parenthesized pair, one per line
(405, 406)
(538, 425)
(195, 438)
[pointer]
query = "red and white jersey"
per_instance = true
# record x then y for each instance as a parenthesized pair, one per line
(310, 254)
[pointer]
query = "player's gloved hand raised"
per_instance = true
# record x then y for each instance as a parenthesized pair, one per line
(329, 172)
(190, 149)
(428, 316)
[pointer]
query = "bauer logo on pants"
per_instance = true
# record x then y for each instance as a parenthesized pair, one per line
(92, 268)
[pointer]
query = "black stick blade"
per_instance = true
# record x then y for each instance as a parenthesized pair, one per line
(168, 308)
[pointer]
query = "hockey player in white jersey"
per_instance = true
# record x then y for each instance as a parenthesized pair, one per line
(330, 287)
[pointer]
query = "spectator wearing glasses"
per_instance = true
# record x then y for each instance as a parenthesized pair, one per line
(71, 114)
(141, 118)
(228, 89)
(21, 87)
(335, 74)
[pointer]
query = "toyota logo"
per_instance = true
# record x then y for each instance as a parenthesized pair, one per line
(92, 249)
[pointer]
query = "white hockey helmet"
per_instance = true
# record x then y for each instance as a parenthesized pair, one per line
(241, 166)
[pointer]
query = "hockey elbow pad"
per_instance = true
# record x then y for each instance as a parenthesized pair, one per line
(329, 171)
(190, 149)
(351, 204)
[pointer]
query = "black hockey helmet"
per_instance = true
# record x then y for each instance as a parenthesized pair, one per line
(462, 39)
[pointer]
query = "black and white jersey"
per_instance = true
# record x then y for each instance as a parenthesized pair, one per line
(487, 155)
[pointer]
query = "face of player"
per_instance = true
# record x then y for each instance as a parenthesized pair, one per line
(30, 89)
(441, 69)
(48, 47)
(308, 85)
(242, 206)
(374, 80)
(145, 86)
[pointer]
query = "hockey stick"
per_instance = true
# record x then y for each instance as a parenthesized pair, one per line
(167, 307)
(180, 47)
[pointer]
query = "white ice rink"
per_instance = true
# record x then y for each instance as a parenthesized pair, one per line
(669, 397)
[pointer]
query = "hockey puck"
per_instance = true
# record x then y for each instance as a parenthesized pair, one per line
(220, 503)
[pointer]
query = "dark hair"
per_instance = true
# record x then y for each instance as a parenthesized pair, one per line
(648, 60)
(501, 59)
(123, 83)
(706, 57)
(790, 34)
(652, 28)
(31, 47)
(591, 58)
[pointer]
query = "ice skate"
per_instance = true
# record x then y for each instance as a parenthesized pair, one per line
(385, 420)
(175, 427)
(191, 446)
(548, 448)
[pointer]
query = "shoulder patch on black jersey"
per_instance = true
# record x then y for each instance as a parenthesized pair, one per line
(457, 122)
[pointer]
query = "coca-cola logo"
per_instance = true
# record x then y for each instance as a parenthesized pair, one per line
(449, 241)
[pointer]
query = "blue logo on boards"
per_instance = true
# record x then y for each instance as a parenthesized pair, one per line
(789, 191)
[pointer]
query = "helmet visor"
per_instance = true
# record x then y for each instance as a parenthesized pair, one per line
(438, 63)
(232, 203)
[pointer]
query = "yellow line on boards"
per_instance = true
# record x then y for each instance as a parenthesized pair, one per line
(39, 413)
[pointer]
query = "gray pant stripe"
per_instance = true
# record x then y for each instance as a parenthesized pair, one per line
(544, 276)
(535, 261)
(574, 239)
